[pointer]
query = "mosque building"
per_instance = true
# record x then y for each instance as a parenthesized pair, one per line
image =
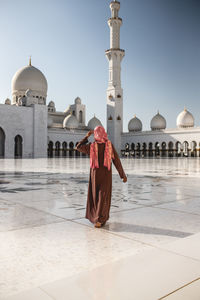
(29, 128)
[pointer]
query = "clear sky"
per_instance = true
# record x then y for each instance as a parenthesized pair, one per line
(67, 40)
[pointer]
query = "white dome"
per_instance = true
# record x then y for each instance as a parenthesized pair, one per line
(185, 119)
(7, 101)
(94, 122)
(51, 104)
(135, 124)
(31, 78)
(158, 122)
(70, 122)
(77, 100)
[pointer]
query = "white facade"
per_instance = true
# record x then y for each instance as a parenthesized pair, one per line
(29, 128)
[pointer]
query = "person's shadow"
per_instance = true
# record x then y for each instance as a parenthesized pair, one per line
(124, 227)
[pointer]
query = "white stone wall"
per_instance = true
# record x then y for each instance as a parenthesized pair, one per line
(14, 121)
(40, 114)
(169, 135)
(62, 135)
(28, 122)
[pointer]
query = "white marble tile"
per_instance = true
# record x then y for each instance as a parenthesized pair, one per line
(33, 294)
(189, 206)
(189, 246)
(38, 246)
(148, 275)
(33, 256)
(16, 216)
(189, 292)
(152, 225)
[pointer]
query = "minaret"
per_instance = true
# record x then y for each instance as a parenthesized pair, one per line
(114, 90)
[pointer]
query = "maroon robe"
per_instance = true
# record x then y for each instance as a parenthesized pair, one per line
(100, 184)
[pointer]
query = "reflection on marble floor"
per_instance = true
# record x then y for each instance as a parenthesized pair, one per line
(44, 235)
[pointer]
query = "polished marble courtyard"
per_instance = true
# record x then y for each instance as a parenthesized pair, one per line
(46, 240)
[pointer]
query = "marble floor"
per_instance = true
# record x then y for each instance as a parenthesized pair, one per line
(44, 236)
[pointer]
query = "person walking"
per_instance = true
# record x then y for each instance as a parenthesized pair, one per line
(102, 153)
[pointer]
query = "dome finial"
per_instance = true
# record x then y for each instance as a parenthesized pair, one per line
(158, 112)
(185, 109)
(30, 60)
(134, 116)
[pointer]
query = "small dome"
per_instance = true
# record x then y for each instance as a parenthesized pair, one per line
(51, 104)
(185, 119)
(70, 122)
(94, 122)
(158, 122)
(77, 100)
(8, 101)
(135, 124)
(28, 93)
(29, 77)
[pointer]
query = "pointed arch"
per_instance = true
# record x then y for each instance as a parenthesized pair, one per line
(18, 146)
(2, 143)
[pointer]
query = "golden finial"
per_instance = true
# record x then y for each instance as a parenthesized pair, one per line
(185, 109)
(30, 60)
(94, 116)
(134, 116)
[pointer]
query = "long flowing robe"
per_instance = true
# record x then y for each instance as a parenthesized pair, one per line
(100, 184)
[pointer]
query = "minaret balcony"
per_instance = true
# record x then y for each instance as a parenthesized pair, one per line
(112, 21)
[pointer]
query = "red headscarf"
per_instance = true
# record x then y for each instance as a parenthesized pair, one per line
(100, 137)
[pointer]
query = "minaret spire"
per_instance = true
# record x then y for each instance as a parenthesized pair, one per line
(114, 90)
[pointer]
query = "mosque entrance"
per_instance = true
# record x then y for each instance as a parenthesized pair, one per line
(2, 143)
(18, 146)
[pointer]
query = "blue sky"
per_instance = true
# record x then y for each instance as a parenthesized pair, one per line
(67, 40)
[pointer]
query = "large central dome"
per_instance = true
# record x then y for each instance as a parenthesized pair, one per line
(31, 78)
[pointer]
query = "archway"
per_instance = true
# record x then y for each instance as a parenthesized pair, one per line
(80, 116)
(138, 150)
(18, 146)
(50, 149)
(144, 150)
(2, 143)
(157, 149)
(57, 149)
(150, 150)
(194, 149)
(178, 149)
(127, 150)
(64, 149)
(163, 149)
(77, 153)
(186, 149)
(71, 149)
(132, 149)
(170, 149)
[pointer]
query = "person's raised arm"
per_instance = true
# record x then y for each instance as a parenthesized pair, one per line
(118, 165)
(83, 146)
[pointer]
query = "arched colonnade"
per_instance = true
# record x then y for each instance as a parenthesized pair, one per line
(164, 149)
(63, 149)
